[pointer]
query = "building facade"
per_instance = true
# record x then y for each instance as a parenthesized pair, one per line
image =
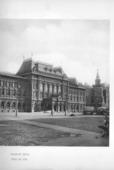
(98, 94)
(39, 86)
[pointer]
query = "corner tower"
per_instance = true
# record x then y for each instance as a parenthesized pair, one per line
(97, 80)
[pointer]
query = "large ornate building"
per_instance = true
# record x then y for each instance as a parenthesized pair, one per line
(38, 86)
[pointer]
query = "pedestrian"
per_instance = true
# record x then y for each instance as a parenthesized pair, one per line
(106, 125)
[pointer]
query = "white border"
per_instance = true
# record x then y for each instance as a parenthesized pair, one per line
(60, 158)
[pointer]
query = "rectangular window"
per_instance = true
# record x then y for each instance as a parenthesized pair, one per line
(3, 91)
(8, 92)
(14, 93)
(19, 92)
(15, 84)
(11, 84)
(4, 83)
(8, 84)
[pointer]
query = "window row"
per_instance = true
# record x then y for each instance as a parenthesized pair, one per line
(76, 98)
(13, 105)
(9, 92)
(5, 83)
(53, 89)
(41, 95)
(77, 92)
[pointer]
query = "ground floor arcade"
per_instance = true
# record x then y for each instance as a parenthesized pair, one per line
(12, 106)
(57, 106)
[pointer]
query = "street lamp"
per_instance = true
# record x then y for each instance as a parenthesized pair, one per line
(16, 108)
(66, 103)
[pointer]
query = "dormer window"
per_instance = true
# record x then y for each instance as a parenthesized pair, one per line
(45, 68)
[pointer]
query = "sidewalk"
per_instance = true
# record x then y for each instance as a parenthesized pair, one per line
(39, 115)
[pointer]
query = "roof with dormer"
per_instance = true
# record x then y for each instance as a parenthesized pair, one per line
(30, 66)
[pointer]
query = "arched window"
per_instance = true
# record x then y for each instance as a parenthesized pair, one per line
(8, 105)
(2, 104)
(2, 91)
(19, 105)
(23, 106)
(14, 105)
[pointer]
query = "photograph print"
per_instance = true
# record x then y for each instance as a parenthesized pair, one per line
(54, 82)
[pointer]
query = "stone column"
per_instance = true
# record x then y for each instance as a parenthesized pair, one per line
(43, 89)
(73, 107)
(62, 107)
(58, 107)
(50, 89)
(5, 102)
(32, 106)
(52, 109)
(68, 109)
(79, 107)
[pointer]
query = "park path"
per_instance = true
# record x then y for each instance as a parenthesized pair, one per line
(77, 137)
(59, 128)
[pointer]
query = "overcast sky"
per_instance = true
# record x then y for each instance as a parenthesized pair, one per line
(80, 47)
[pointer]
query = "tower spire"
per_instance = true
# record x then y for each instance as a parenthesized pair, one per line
(97, 80)
(97, 77)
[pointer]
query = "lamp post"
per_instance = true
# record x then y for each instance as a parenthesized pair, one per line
(16, 107)
(66, 103)
(52, 108)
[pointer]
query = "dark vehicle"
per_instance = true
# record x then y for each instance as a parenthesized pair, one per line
(89, 110)
(72, 114)
(102, 110)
